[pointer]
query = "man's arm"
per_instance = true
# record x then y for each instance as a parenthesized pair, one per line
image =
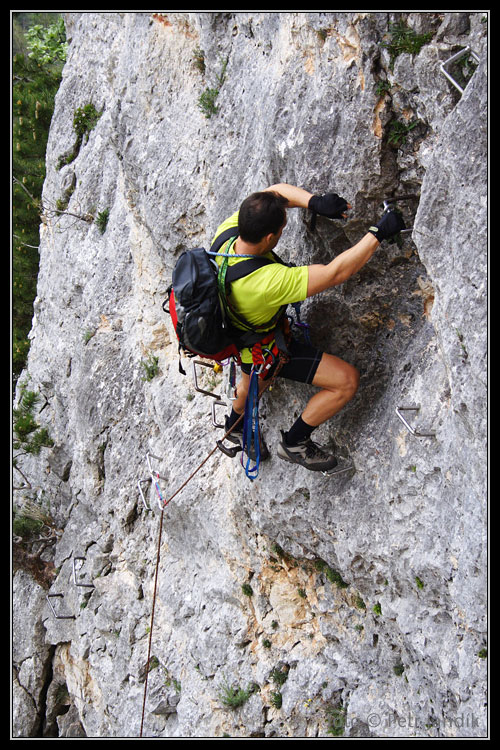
(330, 205)
(296, 197)
(342, 267)
(345, 265)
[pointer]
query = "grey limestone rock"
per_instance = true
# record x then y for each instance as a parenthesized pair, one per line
(367, 616)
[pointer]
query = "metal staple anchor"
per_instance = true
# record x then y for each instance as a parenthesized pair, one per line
(458, 56)
(390, 201)
(139, 484)
(152, 479)
(196, 386)
(58, 617)
(411, 429)
(75, 579)
(214, 418)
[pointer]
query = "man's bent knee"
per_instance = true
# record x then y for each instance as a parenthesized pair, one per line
(333, 374)
(352, 380)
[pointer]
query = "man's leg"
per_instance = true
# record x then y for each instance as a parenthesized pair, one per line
(338, 382)
(238, 409)
(238, 406)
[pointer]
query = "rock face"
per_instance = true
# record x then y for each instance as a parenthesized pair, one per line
(364, 611)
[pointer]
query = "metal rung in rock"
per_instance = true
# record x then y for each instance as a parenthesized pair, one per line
(195, 378)
(152, 479)
(413, 430)
(214, 417)
(75, 578)
(58, 617)
(454, 58)
(388, 202)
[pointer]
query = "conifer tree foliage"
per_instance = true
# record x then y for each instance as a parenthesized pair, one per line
(34, 86)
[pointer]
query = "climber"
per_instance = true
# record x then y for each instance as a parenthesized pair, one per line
(261, 220)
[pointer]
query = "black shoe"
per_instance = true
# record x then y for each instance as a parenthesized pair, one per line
(307, 454)
(236, 437)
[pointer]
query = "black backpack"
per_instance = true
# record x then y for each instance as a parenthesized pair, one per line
(198, 304)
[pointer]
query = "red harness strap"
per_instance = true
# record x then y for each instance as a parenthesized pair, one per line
(263, 357)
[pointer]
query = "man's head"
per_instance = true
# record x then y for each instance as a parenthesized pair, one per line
(262, 214)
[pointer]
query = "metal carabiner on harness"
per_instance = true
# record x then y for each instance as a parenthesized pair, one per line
(265, 365)
(231, 385)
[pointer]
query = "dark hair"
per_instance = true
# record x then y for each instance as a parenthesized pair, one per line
(261, 214)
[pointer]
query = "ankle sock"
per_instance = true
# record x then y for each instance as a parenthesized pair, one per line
(231, 419)
(298, 432)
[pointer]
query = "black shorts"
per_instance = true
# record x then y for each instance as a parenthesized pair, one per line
(302, 366)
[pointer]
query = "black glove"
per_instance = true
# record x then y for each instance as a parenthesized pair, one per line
(389, 225)
(330, 205)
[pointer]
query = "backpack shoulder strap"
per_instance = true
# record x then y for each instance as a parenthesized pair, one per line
(245, 267)
(223, 237)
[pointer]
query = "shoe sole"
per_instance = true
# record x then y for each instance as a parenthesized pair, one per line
(234, 439)
(283, 454)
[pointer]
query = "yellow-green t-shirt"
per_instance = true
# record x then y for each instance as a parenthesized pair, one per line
(258, 296)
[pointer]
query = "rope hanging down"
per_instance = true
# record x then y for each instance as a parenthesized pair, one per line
(251, 428)
(266, 385)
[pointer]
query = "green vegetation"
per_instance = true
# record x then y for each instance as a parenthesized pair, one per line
(279, 676)
(206, 102)
(359, 602)
(277, 550)
(377, 609)
(150, 367)
(276, 699)
(382, 87)
(335, 577)
(47, 44)
(332, 575)
(28, 435)
(235, 696)
(463, 69)
(398, 131)
(84, 121)
(26, 526)
(404, 39)
(247, 589)
(336, 718)
(199, 60)
(419, 582)
(153, 663)
(102, 220)
(36, 79)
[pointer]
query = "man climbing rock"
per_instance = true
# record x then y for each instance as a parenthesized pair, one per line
(259, 296)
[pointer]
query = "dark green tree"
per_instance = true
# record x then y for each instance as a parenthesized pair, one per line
(34, 88)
